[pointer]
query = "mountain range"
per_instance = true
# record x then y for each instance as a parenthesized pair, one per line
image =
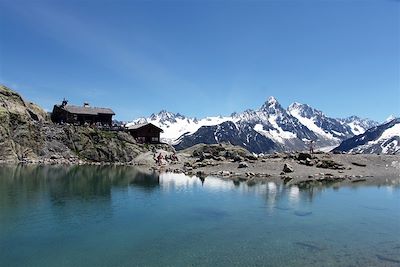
(384, 139)
(267, 129)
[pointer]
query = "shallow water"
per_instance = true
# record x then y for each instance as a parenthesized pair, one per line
(117, 216)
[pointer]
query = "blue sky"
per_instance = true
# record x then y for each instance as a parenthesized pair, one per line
(204, 58)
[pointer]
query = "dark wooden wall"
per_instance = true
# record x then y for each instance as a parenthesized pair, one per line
(146, 134)
(60, 115)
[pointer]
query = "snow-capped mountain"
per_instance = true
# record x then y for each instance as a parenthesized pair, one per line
(384, 139)
(359, 125)
(326, 128)
(233, 133)
(269, 128)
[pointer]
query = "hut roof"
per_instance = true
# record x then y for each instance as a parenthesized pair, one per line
(140, 125)
(87, 110)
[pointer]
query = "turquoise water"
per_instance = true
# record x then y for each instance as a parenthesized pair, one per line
(117, 216)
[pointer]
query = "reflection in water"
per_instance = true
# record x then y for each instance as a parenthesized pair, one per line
(294, 194)
(119, 216)
(19, 184)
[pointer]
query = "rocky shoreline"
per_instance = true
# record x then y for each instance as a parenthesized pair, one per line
(301, 168)
(235, 163)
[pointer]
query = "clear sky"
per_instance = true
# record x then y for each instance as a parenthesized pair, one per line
(204, 58)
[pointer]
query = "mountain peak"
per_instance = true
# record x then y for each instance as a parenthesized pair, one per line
(296, 105)
(165, 115)
(271, 106)
(272, 100)
(390, 118)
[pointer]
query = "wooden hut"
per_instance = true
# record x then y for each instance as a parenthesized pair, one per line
(65, 113)
(145, 133)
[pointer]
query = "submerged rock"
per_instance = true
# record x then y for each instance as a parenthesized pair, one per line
(308, 246)
(383, 258)
(302, 213)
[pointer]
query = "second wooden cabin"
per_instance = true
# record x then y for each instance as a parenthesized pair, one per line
(145, 133)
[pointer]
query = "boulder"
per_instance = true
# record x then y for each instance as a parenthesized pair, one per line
(304, 156)
(329, 164)
(359, 164)
(287, 179)
(237, 158)
(251, 157)
(288, 168)
(243, 165)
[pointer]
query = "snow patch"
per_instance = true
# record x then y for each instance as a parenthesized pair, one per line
(310, 124)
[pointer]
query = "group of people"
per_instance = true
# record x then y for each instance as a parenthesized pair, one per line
(168, 158)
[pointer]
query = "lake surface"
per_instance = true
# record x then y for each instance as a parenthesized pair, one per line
(118, 216)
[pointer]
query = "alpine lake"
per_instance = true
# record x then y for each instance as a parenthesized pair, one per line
(120, 216)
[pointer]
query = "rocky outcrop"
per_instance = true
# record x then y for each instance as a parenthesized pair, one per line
(27, 134)
(20, 135)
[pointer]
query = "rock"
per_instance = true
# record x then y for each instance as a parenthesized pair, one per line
(55, 156)
(207, 155)
(251, 157)
(287, 168)
(237, 158)
(219, 158)
(329, 164)
(359, 164)
(287, 179)
(225, 173)
(304, 156)
(243, 165)
(358, 180)
(187, 164)
(302, 213)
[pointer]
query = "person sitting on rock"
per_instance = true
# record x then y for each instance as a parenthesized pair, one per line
(174, 157)
(159, 159)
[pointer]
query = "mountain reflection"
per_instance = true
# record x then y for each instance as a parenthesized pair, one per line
(59, 185)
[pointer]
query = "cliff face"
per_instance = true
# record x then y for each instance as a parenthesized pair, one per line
(19, 135)
(27, 134)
